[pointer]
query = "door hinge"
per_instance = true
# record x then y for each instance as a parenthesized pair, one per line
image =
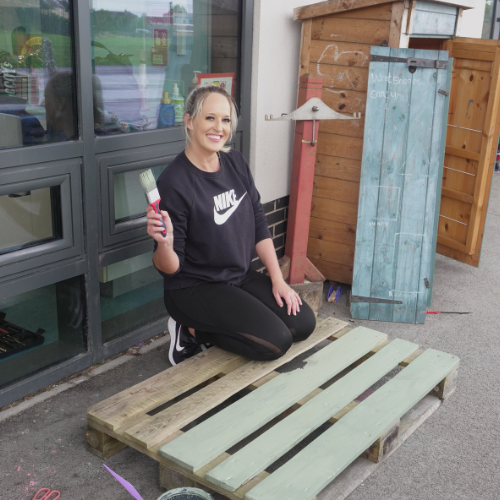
(374, 300)
(412, 62)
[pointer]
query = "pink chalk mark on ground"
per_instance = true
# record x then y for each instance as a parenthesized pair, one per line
(19, 468)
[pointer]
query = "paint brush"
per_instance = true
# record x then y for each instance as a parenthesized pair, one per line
(152, 195)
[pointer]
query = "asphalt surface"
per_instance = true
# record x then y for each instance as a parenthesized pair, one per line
(454, 455)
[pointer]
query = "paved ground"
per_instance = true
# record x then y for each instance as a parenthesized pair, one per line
(454, 455)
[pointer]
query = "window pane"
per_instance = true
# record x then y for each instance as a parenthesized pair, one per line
(37, 89)
(143, 49)
(29, 218)
(130, 200)
(131, 296)
(58, 310)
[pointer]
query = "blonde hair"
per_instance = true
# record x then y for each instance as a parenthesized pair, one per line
(194, 106)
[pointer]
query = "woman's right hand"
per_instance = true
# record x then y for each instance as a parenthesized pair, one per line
(155, 227)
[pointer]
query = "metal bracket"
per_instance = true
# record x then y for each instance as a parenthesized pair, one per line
(374, 300)
(312, 110)
(412, 62)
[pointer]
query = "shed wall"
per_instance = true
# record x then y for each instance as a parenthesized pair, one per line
(339, 52)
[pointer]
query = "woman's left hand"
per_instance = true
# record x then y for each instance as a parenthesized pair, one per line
(282, 291)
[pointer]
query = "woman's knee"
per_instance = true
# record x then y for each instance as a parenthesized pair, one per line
(305, 324)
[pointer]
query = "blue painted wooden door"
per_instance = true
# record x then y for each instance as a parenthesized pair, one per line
(400, 186)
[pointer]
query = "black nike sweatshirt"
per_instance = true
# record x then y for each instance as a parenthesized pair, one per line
(217, 217)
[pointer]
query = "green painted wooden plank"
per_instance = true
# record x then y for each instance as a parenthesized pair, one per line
(369, 182)
(434, 23)
(436, 7)
(434, 186)
(206, 441)
(392, 177)
(308, 472)
(282, 437)
(413, 228)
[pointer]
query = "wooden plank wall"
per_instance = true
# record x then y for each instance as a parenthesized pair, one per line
(225, 45)
(336, 47)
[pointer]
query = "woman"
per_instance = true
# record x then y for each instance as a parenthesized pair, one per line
(214, 222)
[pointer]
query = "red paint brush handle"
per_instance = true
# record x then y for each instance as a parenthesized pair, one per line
(156, 208)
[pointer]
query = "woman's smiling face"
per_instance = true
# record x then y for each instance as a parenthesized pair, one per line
(210, 130)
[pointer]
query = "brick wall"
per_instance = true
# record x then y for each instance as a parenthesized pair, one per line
(277, 215)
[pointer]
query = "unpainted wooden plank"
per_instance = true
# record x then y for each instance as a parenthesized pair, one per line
(305, 47)
(102, 445)
(470, 54)
(334, 210)
(338, 168)
(282, 437)
(333, 271)
(328, 7)
(207, 440)
(330, 251)
(442, 239)
(341, 77)
(462, 153)
(381, 11)
(170, 420)
(369, 189)
(336, 189)
(456, 210)
(345, 101)
(397, 10)
(340, 53)
(383, 445)
(472, 65)
(459, 174)
(373, 32)
(336, 232)
(349, 128)
(336, 145)
(433, 24)
(308, 472)
(452, 229)
(447, 386)
(456, 195)
(113, 412)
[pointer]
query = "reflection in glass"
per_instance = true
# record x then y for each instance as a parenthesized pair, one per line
(131, 296)
(130, 201)
(29, 218)
(59, 310)
(37, 89)
(142, 50)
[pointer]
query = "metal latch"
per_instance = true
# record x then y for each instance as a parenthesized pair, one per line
(374, 300)
(412, 62)
(314, 109)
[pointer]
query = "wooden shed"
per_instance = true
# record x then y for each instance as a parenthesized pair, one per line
(336, 40)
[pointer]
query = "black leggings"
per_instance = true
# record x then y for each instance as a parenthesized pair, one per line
(244, 319)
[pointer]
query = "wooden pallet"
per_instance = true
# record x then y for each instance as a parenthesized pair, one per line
(282, 410)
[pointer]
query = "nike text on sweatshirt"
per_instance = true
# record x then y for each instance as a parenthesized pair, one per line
(217, 217)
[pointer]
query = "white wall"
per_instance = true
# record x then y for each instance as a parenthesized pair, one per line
(472, 22)
(274, 91)
(275, 70)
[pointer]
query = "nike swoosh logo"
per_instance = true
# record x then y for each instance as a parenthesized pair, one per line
(177, 346)
(222, 218)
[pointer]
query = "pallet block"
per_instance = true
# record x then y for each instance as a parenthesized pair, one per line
(230, 451)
